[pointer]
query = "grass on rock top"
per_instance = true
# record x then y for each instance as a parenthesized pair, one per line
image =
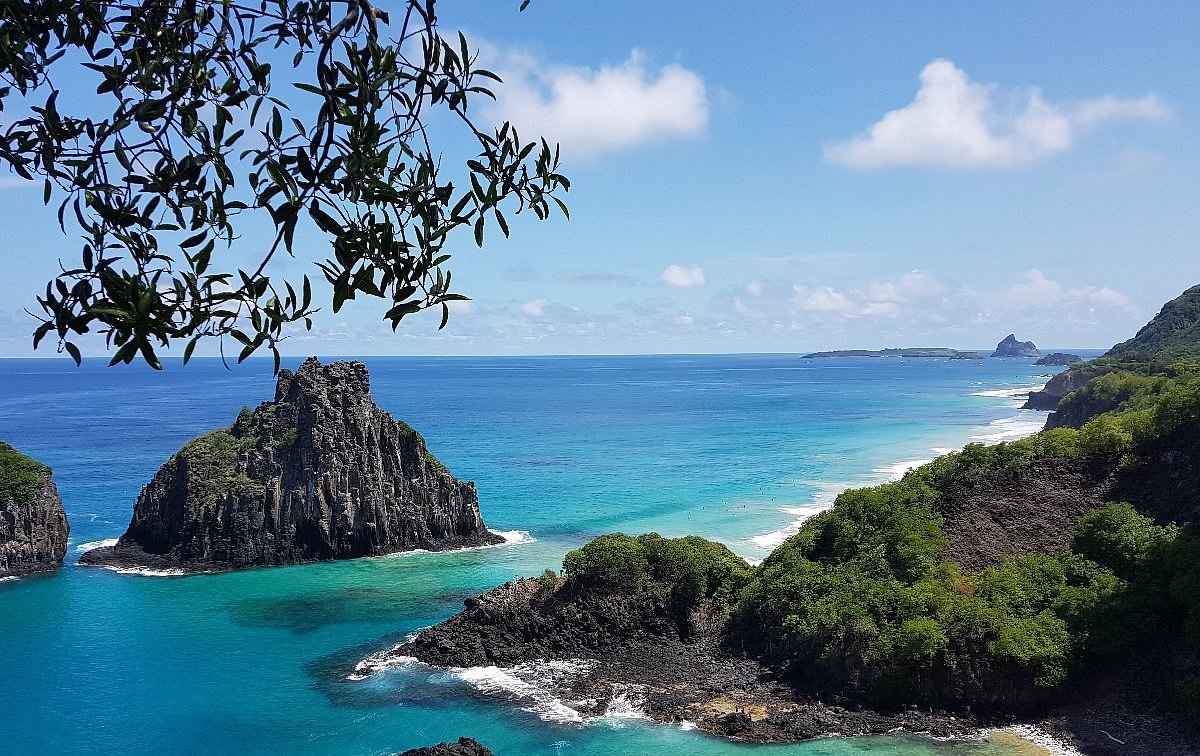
(20, 476)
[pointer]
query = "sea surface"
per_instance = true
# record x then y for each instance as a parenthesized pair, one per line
(737, 448)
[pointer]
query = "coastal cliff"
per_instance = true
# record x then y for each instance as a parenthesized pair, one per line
(33, 526)
(319, 473)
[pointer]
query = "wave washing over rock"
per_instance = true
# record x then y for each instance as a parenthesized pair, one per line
(320, 473)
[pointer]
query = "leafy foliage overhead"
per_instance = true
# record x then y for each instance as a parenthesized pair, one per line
(192, 136)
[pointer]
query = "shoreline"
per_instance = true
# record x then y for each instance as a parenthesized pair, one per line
(509, 538)
(1013, 427)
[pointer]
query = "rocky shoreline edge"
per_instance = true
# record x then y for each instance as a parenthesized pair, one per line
(590, 669)
(131, 560)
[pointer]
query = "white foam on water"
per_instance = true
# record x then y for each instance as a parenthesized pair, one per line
(147, 572)
(380, 661)
(511, 538)
(1043, 739)
(530, 684)
(1020, 392)
(687, 726)
(822, 499)
(897, 470)
(1027, 423)
(623, 706)
(9, 577)
(90, 545)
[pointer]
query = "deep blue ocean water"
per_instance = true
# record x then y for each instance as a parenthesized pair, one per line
(736, 448)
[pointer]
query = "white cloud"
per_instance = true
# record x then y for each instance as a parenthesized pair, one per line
(684, 320)
(534, 308)
(680, 277)
(591, 111)
(461, 307)
(955, 123)
(1036, 290)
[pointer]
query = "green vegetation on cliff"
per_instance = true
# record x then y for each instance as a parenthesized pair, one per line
(1171, 334)
(866, 600)
(20, 476)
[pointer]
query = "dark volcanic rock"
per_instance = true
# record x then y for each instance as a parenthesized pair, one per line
(1033, 509)
(1010, 347)
(1059, 358)
(33, 526)
(319, 473)
(464, 747)
(1062, 384)
(1030, 510)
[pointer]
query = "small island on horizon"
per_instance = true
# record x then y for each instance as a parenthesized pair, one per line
(943, 352)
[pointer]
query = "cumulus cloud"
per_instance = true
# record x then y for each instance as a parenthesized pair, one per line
(956, 123)
(534, 308)
(592, 111)
(919, 300)
(1036, 290)
(684, 320)
(681, 277)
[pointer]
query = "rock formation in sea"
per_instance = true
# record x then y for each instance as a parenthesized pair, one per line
(1059, 359)
(33, 526)
(1010, 347)
(464, 747)
(319, 473)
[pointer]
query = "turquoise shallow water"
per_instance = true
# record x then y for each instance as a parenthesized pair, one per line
(729, 447)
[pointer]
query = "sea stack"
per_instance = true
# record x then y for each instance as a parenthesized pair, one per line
(33, 526)
(320, 473)
(1010, 347)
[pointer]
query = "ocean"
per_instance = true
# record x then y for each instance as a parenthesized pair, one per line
(737, 448)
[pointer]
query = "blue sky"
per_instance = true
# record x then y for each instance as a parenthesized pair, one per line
(794, 176)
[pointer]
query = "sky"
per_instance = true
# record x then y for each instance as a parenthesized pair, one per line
(793, 176)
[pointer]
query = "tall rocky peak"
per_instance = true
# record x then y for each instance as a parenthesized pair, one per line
(1010, 347)
(319, 473)
(33, 526)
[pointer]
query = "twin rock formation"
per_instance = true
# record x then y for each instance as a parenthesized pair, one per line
(319, 473)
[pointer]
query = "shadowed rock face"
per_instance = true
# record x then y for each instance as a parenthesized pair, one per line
(319, 473)
(1010, 347)
(33, 526)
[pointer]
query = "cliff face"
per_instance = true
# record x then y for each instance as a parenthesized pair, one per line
(1061, 385)
(319, 473)
(33, 526)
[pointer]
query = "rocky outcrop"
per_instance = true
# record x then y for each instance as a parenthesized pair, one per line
(1062, 384)
(33, 526)
(1010, 347)
(319, 473)
(464, 747)
(1058, 359)
(625, 646)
